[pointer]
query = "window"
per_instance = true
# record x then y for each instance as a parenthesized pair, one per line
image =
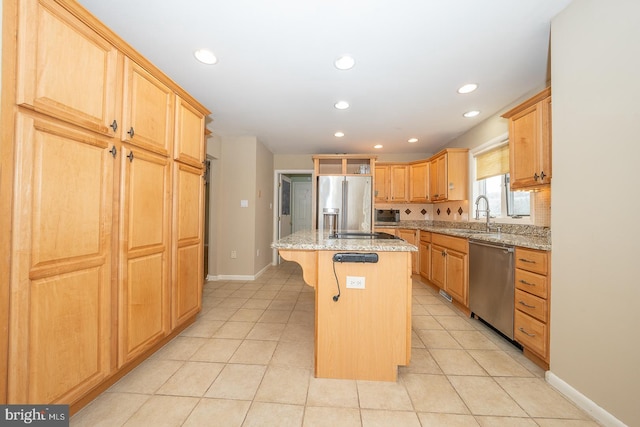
(492, 181)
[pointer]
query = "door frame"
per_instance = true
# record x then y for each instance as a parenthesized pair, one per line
(275, 257)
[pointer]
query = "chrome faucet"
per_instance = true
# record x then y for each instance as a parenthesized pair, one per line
(486, 211)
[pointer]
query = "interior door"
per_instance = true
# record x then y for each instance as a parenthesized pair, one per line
(284, 219)
(301, 205)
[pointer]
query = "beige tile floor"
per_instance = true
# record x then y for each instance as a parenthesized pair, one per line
(248, 361)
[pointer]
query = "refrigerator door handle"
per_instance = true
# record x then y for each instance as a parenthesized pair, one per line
(345, 203)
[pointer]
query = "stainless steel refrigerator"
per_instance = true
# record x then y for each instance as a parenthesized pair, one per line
(351, 195)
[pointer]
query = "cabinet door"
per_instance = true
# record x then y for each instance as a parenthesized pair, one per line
(61, 275)
(64, 68)
(545, 141)
(438, 265)
(425, 259)
(456, 276)
(442, 177)
(433, 180)
(147, 110)
(398, 186)
(144, 297)
(419, 182)
(189, 135)
(410, 237)
(524, 148)
(188, 225)
(382, 183)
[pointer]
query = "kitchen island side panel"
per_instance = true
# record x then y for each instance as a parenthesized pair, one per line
(366, 334)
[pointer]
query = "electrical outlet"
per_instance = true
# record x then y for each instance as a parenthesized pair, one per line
(258, 252)
(355, 282)
(234, 254)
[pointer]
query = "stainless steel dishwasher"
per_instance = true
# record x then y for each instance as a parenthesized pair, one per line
(491, 286)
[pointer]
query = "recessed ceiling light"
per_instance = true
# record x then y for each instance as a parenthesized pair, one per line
(341, 105)
(345, 62)
(338, 134)
(469, 87)
(205, 56)
(472, 113)
(412, 140)
(377, 146)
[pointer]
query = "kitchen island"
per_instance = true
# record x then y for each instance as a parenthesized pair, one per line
(362, 328)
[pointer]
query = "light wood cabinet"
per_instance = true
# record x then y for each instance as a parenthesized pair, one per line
(450, 266)
(148, 110)
(530, 142)
(189, 146)
(144, 260)
(60, 324)
(392, 181)
(381, 186)
(100, 274)
(411, 236)
(65, 69)
(425, 255)
(532, 300)
(448, 175)
(188, 242)
(419, 182)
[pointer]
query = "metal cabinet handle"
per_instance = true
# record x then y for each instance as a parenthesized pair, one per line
(524, 282)
(526, 333)
(526, 260)
(526, 305)
(542, 175)
(130, 157)
(114, 125)
(131, 132)
(536, 176)
(113, 151)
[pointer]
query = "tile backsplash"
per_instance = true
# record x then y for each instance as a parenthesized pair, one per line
(458, 211)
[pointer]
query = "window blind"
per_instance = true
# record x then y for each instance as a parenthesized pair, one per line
(492, 162)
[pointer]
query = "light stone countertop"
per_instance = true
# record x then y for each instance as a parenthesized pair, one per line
(540, 241)
(319, 241)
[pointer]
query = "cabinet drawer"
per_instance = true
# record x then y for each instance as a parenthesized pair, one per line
(425, 236)
(456, 243)
(533, 283)
(532, 260)
(532, 305)
(531, 333)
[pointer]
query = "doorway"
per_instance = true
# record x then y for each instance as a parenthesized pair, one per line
(293, 204)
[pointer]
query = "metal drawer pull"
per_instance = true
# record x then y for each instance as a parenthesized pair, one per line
(526, 260)
(526, 305)
(526, 333)
(527, 283)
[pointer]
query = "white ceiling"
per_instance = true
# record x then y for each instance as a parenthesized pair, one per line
(275, 77)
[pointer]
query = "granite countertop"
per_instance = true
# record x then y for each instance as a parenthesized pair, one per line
(524, 236)
(320, 241)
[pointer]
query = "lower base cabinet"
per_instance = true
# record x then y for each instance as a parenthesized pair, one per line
(410, 236)
(532, 303)
(424, 251)
(450, 266)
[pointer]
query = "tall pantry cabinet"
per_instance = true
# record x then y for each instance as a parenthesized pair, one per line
(106, 252)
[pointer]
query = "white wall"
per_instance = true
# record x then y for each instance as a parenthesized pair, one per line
(595, 290)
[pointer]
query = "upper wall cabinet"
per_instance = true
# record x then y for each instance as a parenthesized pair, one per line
(65, 69)
(392, 181)
(419, 182)
(448, 175)
(148, 110)
(530, 142)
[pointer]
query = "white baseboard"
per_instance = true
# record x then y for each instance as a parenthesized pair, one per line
(583, 402)
(211, 278)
